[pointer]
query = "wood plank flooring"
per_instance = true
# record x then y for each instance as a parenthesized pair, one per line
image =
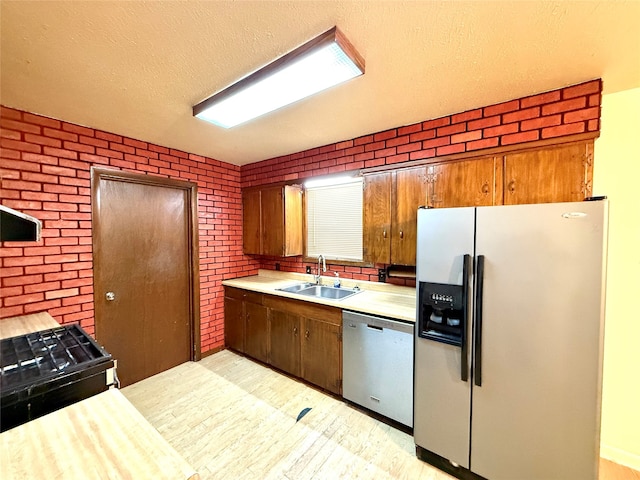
(232, 418)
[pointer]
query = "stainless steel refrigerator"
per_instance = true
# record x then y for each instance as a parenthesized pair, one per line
(509, 338)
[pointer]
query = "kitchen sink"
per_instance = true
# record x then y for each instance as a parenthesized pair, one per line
(320, 291)
(295, 288)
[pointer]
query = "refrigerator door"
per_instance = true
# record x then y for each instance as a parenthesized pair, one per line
(442, 400)
(536, 414)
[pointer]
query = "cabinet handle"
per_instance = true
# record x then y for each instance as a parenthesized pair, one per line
(401, 234)
(485, 188)
(512, 186)
(295, 330)
(306, 334)
(384, 234)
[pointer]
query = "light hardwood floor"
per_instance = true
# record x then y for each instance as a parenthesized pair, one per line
(232, 418)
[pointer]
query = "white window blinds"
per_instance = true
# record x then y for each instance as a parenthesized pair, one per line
(334, 221)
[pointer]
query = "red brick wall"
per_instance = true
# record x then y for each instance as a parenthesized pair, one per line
(562, 112)
(45, 172)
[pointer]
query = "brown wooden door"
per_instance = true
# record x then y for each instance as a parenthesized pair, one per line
(321, 354)
(234, 324)
(285, 341)
(256, 342)
(376, 218)
(142, 248)
(410, 193)
(466, 183)
(251, 222)
(559, 174)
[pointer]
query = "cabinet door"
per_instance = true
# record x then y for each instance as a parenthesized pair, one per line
(410, 192)
(468, 183)
(257, 331)
(321, 354)
(272, 203)
(251, 222)
(559, 174)
(233, 324)
(285, 341)
(292, 220)
(376, 218)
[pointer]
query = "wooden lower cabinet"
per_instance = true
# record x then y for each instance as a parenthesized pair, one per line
(306, 341)
(257, 340)
(321, 354)
(301, 338)
(233, 323)
(285, 341)
(246, 323)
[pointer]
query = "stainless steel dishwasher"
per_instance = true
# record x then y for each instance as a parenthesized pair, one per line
(377, 365)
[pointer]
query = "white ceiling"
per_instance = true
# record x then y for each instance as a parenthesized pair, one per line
(136, 68)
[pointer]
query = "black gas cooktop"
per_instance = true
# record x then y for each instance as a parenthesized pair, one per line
(47, 370)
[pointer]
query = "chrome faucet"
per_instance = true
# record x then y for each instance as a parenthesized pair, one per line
(324, 268)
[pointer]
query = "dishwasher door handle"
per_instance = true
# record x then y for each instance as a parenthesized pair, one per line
(374, 327)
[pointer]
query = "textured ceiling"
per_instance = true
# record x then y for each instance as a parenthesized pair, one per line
(136, 68)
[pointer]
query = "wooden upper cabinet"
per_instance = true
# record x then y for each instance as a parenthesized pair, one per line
(293, 220)
(465, 183)
(272, 221)
(408, 194)
(251, 222)
(390, 213)
(376, 217)
(559, 174)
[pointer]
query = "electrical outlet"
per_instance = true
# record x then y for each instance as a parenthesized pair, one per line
(308, 269)
(382, 275)
(277, 266)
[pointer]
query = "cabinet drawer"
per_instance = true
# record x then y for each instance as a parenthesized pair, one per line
(232, 292)
(245, 295)
(253, 297)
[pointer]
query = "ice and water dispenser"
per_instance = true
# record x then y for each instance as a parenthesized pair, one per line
(441, 314)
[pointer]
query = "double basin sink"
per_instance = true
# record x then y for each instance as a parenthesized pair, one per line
(320, 291)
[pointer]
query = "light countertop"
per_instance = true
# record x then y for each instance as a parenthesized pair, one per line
(383, 299)
(14, 326)
(103, 436)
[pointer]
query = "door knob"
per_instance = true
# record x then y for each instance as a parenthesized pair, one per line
(110, 296)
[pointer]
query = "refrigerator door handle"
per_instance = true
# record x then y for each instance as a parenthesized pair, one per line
(464, 362)
(477, 361)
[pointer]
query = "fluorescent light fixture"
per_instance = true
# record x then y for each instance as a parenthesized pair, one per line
(330, 181)
(321, 63)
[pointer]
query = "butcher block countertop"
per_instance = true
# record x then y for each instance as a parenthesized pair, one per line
(101, 437)
(383, 299)
(14, 326)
